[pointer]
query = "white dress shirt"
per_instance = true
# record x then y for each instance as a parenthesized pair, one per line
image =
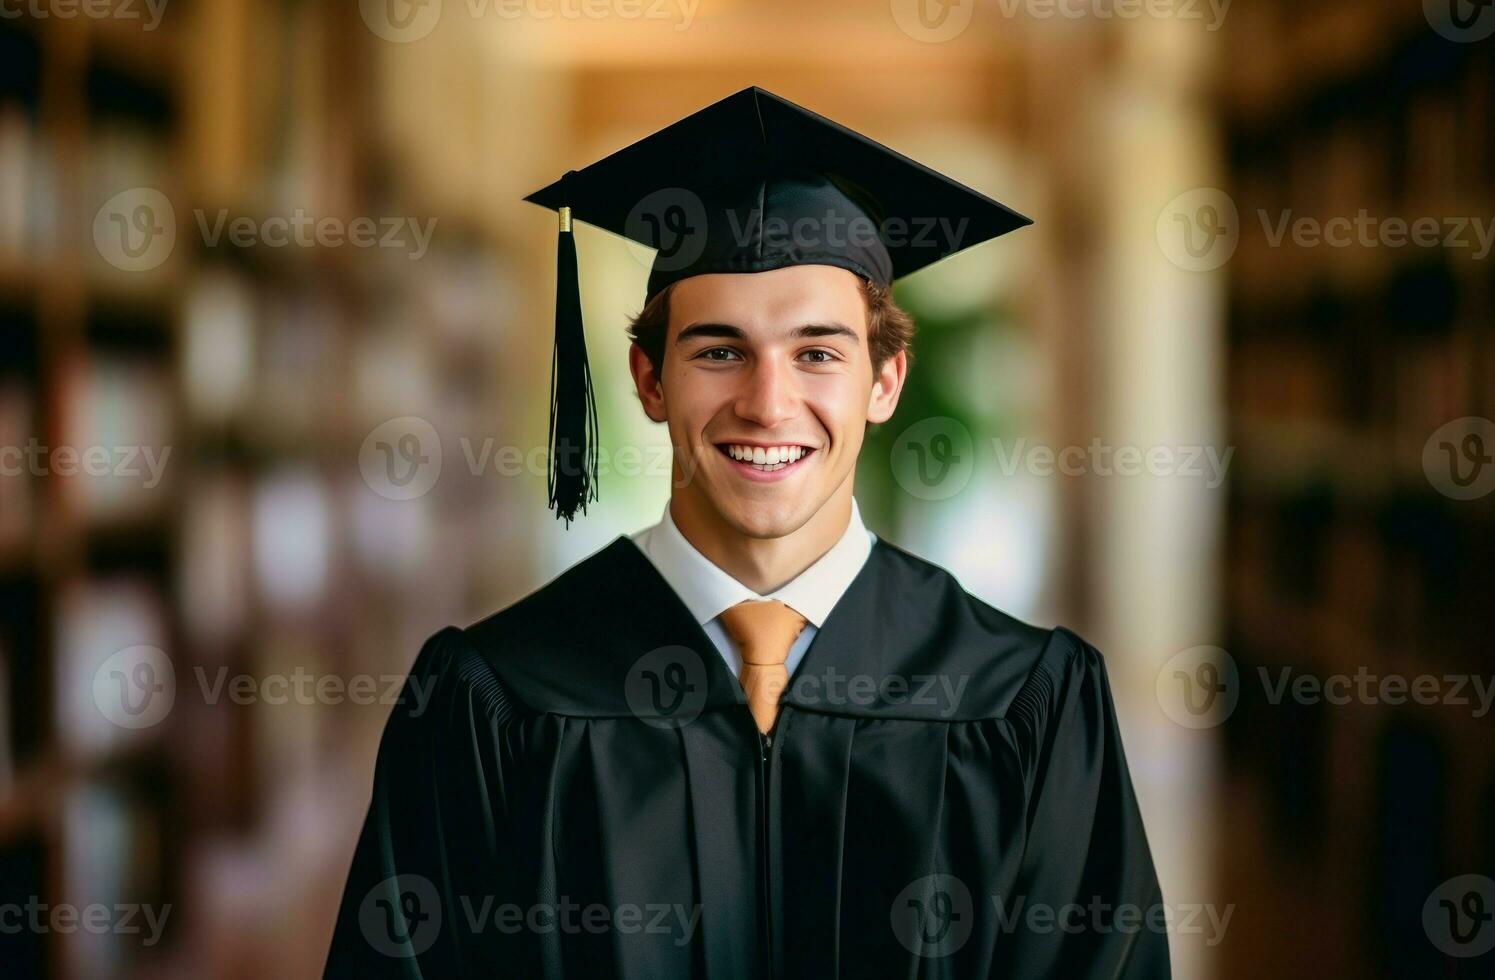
(707, 591)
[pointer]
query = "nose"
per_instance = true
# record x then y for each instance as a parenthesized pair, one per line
(769, 393)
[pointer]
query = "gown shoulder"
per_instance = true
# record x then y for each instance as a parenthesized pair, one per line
(1012, 668)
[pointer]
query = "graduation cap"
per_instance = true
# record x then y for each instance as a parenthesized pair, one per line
(748, 184)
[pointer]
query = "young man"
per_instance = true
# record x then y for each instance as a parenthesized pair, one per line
(754, 740)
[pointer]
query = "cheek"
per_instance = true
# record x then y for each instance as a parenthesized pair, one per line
(693, 399)
(839, 402)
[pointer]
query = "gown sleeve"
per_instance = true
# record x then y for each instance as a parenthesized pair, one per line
(428, 853)
(1086, 902)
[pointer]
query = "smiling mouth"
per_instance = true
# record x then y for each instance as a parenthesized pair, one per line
(766, 459)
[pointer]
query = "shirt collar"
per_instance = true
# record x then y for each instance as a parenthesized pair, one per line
(707, 590)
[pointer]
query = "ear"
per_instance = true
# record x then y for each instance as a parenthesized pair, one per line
(887, 385)
(648, 384)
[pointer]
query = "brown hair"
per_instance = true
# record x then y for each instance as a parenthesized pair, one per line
(890, 329)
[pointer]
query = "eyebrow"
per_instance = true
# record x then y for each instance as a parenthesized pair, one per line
(727, 330)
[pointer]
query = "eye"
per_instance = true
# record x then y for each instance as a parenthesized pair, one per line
(819, 356)
(718, 354)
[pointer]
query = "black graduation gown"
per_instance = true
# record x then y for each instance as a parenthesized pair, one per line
(574, 787)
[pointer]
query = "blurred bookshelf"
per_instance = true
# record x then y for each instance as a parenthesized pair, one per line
(259, 550)
(1343, 556)
(78, 559)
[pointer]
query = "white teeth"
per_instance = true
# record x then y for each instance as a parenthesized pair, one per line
(769, 458)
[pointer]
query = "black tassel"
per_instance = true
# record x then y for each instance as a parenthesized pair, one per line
(573, 409)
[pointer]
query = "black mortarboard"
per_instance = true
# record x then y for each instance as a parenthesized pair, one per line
(748, 184)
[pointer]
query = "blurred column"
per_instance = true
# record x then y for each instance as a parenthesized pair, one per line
(1158, 375)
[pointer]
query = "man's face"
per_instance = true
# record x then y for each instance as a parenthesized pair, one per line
(767, 387)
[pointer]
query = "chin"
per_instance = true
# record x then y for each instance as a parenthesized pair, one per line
(765, 519)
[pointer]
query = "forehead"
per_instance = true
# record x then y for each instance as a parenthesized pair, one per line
(778, 299)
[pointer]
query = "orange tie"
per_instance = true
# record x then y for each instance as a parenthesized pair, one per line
(764, 630)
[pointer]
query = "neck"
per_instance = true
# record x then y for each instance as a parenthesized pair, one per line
(762, 564)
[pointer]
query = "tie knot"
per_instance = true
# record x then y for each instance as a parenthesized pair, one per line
(763, 629)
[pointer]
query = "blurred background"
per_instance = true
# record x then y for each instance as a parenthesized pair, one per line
(274, 354)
